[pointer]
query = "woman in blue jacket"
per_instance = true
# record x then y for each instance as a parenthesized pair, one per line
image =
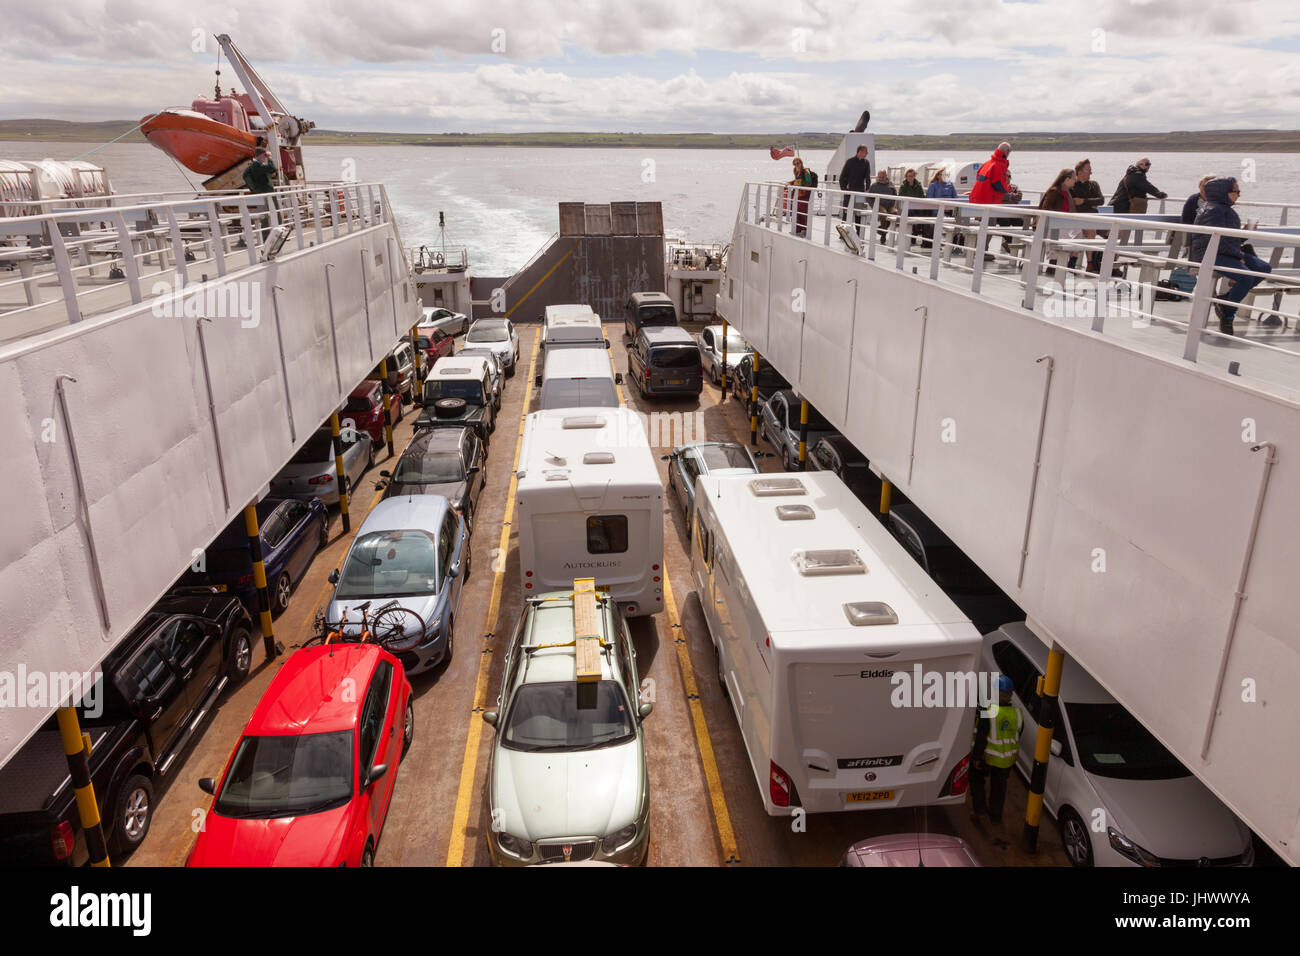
(939, 188)
(1220, 195)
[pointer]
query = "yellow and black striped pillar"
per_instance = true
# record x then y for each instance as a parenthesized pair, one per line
(384, 397)
(724, 361)
(76, 746)
(417, 390)
(753, 402)
(259, 578)
(1048, 690)
(885, 493)
(803, 435)
(340, 474)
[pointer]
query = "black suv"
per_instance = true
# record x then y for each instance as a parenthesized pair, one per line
(157, 686)
(769, 381)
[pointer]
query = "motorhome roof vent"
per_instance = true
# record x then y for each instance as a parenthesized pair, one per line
(795, 512)
(453, 371)
(556, 474)
(866, 613)
(584, 421)
(830, 561)
(776, 487)
(598, 458)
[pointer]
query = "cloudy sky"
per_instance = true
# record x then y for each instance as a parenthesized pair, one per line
(674, 65)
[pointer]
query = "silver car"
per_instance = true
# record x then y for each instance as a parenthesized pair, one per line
(310, 473)
(494, 369)
(500, 336)
(568, 778)
(688, 462)
(778, 423)
(453, 323)
(710, 339)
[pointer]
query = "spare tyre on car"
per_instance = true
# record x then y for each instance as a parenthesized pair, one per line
(449, 407)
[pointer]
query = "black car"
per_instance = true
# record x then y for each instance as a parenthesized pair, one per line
(157, 686)
(665, 361)
(974, 593)
(442, 461)
(769, 381)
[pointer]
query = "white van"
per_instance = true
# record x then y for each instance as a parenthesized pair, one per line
(590, 504)
(814, 609)
(572, 326)
(577, 378)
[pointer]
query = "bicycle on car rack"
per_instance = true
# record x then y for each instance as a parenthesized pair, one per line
(392, 626)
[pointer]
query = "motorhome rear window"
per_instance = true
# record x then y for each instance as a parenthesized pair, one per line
(829, 561)
(607, 534)
(776, 487)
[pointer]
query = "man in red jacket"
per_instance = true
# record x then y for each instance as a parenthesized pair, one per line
(992, 178)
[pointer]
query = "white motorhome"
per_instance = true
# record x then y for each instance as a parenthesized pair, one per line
(572, 326)
(830, 642)
(578, 378)
(590, 504)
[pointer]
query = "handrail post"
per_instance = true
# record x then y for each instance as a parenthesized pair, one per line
(1103, 280)
(981, 245)
(1035, 260)
(1201, 296)
(936, 242)
(871, 230)
(899, 241)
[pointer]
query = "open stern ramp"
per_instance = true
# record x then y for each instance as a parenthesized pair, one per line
(173, 388)
(1131, 490)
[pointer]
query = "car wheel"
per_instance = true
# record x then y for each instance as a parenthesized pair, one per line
(408, 727)
(713, 376)
(1074, 837)
(469, 564)
(241, 654)
(510, 372)
(451, 635)
(368, 854)
(469, 526)
(132, 814)
(281, 593)
(370, 456)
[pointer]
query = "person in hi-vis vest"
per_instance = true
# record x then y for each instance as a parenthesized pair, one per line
(997, 741)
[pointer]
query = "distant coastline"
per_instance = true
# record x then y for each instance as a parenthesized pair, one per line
(1196, 141)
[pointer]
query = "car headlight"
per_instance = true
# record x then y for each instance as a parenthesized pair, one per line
(1130, 850)
(431, 629)
(619, 839)
(513, 844)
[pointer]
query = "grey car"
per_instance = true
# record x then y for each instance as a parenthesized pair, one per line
(453, 323)
(310, 473)
(441, 461)
(688, 462)
(500, 336)
(779, 425)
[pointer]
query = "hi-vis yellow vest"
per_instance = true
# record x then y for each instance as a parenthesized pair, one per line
(1004, 737)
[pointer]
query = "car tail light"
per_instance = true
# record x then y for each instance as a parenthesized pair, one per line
(62, 840)
(528, 586)
(321, 480)
(958, 780)
(528, 574)
(631, 609)
(656, 579)
(244, 580)
(647, 373)
(654, 567)
(780, 786)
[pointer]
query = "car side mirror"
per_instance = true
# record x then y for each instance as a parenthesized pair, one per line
(454, 570)
(490, 717)
(377, 771)
(385, 474)
(645, 709)
(665, 457)
(607, 345)
(208, 785)
(334, 576)
(537, 381)
(1057, 748)
(618, 378)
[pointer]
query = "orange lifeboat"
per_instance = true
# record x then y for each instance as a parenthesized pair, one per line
(209, 138)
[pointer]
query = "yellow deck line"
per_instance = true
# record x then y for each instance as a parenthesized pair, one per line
(474, 735)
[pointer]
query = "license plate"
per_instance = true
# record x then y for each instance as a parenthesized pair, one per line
(868, 796)
(676, 381)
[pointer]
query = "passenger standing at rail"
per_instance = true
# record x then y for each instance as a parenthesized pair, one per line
(1220, 195)
(1057, 198)
(259, 177)
(913, 188)
(883, 186)
(993, 177)
(1088, 197)
(854, 176)
(802, 177)
(997, 741)
(1134, 188)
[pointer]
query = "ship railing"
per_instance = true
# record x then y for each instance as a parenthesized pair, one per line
(541, 250)
(36, 207)
(82, 262)
(1131, 277)
(439, 259)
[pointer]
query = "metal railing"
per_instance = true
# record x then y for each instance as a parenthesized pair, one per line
(103, 258)
(1079, 269)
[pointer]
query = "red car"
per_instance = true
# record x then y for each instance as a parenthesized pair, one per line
(311, 778)
(433, 344)
(365, 409)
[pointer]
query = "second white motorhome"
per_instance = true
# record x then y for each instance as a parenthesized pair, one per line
(572, 326)
(590, 504)
(577, 378)
(831, 642)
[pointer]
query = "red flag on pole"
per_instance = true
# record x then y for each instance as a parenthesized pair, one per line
(781, 153)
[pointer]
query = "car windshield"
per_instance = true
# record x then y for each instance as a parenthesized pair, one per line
(287, 776)
(488, 333)
(430, 468)
(567, 716)
(390, 564)
(735, 344)
(1112, 743)
(726, 456)
(675, 356)
(657, 315)
(358, 403)
(319, 447)
(470, 389)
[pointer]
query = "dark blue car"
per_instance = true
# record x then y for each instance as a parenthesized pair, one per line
(292, 531)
